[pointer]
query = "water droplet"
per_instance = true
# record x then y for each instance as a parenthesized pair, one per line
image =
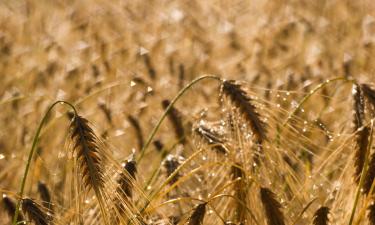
(176, 15)
(143, 51)
(119, 132)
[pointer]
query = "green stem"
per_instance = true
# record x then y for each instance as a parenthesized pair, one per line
(33, 147)
(363, 175)
(182, 92)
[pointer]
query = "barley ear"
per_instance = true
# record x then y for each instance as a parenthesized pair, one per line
(242, 102)
(321, 216)
(197, 216)
(272, 207)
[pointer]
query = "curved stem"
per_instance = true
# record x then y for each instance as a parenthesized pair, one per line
(33, 147)
(175, 99)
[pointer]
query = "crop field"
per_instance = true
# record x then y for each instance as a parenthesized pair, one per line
(191, 112)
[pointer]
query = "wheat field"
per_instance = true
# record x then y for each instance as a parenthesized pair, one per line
(187, 112)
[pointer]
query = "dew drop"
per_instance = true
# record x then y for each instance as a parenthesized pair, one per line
(143, 51)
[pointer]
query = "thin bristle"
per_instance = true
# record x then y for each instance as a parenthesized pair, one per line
(272, 207)
(362, 142)
(45, 196)
(211, 138)
(243, 102)
(127, 178)
(138, 130)
(197, 216)
(321, 216)
(87, 150)
(10, 207)
(175, 117)
(35, 212)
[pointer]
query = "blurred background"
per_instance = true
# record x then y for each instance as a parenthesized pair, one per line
(115, 59)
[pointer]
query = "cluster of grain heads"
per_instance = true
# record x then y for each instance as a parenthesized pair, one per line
(87, 152)
(10, 207)
(247, 110)
(242, 102)
(321, 216)
(89, 159)
(272, 207)
(35, 212)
